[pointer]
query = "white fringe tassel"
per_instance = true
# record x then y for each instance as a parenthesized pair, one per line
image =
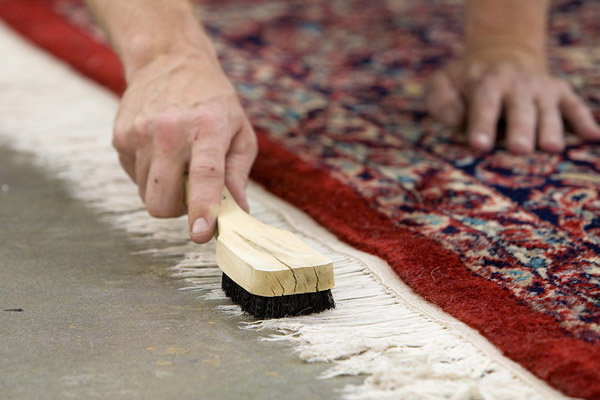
(404, 348)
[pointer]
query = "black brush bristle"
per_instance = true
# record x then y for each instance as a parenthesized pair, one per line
(279, 306)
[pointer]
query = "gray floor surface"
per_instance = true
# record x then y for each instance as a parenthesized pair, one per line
(100, 322)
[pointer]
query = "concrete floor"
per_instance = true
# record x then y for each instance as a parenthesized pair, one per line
(99, 322)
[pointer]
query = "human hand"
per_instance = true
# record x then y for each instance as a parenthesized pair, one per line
(483, 85)
(181, 114)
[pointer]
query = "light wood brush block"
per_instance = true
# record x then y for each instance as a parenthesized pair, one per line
(264, 260)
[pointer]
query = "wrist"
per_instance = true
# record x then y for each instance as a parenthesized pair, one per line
(141, 32)
(489, 50)
(141, 51)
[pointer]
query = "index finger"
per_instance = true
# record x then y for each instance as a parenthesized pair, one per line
(205, 185)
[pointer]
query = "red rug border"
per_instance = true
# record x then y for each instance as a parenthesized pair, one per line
(533, 339)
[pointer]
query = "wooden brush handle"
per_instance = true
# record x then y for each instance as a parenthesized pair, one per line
(229, 206)
(264, 260)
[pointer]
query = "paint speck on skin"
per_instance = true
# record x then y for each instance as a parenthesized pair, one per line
(162, 363)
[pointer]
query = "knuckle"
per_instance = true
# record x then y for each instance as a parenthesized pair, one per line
(169, 119)
(141, 125)
(506, 69)
(491, 81)
(563, 86)
(120, 136)
(119, 141)
(170, 126)
(526, 82)
(209, 117)
(485, 102)
(486, 91)
(208, 168)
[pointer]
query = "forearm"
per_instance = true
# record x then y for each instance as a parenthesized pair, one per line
(141, 30)
(512, 24)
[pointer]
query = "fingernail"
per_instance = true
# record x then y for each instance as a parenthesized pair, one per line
(200, 225)
(523, 143)
(482, 141)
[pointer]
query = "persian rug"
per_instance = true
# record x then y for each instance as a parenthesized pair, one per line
(507, 244)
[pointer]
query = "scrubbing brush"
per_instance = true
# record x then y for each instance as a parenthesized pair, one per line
(269, 272)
